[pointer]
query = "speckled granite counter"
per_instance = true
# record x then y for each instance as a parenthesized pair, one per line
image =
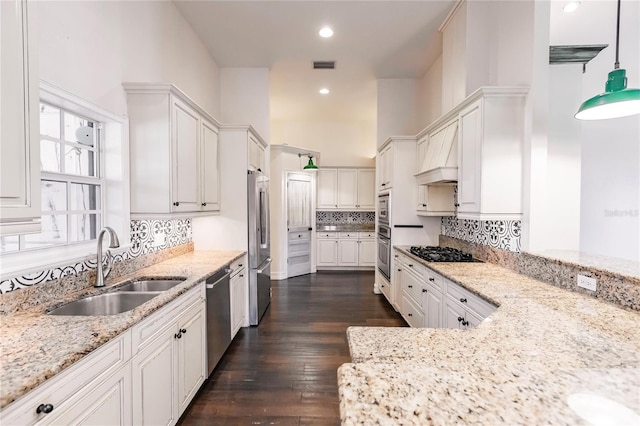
(34, 346)
(542, 350)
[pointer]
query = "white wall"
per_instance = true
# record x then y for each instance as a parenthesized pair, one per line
(90, 48)
(341, 143)
(429, 102)
(244, 98)
(397, 100)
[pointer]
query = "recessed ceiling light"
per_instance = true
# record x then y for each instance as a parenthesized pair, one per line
(571, 6)
(325, 32)
(324, 91)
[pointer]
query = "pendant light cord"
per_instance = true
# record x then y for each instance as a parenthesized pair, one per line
(617, 64)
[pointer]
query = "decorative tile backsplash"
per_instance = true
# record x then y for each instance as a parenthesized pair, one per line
(504, 234)
(142, 234)
(330, 218)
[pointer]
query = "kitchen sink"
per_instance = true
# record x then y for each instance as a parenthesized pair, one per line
(104, 304)
(150, 285)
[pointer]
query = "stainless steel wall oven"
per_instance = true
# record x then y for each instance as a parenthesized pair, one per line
(384, 250)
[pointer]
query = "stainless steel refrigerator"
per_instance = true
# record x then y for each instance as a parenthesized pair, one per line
(259, 246)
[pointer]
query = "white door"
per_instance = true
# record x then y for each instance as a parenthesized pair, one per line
(186, 126)
(210, 199)
(366, 190)
(327, 189)
(299, 223)
(327, 252)
(191, 354)
(367, 253)
(348, 252)
(347, 188)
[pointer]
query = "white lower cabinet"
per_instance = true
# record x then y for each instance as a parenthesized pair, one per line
(346, 249)
(327, 252)
(348, 252)
(192, 347)
(432, 305)
(238, 292)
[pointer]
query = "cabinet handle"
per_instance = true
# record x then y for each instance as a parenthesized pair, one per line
(457, 204)
(410, 315)
(259, 169)
(177, 203)
(424, 290)
(465, 323)
(463, 300)
(241, 275)
(382, 286)
(460, 319)
(299, 236)
(384, 184)
(178, 335)
(336, 205)
(204, 204)
(410, 286)
(424, 205)
(44, 408)
(432, 279)
(399, 270)
(239, 265)
(183, 330)
(410, 265)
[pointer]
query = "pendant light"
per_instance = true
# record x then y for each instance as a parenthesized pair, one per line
(617, 100)
(310, 165)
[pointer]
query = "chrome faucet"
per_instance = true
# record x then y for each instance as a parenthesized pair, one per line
(113, 243)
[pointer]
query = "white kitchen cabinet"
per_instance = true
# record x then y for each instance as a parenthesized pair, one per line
(346, 189)
(454, 54)
(457, 316)
(366, 251)
(238, 294)
(348, 252)
(327, 189)
(386, 171)
(257, 149)
(174, 153)
(384, 285)
(490, 154)
(19, 121)
(192, 348)
(432, 303)
(327, 252)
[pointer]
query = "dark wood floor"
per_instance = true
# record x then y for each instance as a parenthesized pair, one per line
(283, 372)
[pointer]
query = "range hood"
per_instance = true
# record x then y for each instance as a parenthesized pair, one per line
(440, 163)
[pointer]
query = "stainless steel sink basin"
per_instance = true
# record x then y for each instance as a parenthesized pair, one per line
(104, 304)
(150, 285)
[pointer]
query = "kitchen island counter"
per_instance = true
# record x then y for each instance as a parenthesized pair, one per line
(541, 352)
(35, 346)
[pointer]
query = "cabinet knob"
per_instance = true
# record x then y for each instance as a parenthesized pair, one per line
(460, 319)
(424, 290)
(465, 323)
(457, 204)
(382, 285)
(44, 408)
(178, 335)
(410, 286)
(183, 330)
(384, 184)
(259, 169)
(241, 275)
(411, 265)
(399, 270)
(299, 236)
(463, 300)
(432, 279)
(336, 205)
(410, 315)
(177, 203)
(204, 204)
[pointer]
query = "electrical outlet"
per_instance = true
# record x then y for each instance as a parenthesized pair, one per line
(159, 239)
(587, 282)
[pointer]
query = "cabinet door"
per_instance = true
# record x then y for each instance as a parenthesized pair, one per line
(238, 301)
(347, 188)
(185, 137)
(367, 253)
(262, 158)
(327, 189)
(19, 132)
(154, 369)
(107, 404)
(366, 189)
(348, 252)
(210, 199)
(388, 167)
(192, 368)
(432, 304)
(452, 313)
(327, 252)
(469, 161)
(256, 155)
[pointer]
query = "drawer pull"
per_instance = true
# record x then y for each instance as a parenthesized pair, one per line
(177, 203)
(204, 204)
(460, 319)
(299, 236)
(410, 265)
(424, 290)
(44, 408)
(432, 279)
(463, 300)
(382, 286)
(410, 315)
(183, 330)
(465, 323)
(410, 286)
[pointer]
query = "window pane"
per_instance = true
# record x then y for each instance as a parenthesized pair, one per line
(49, 121)
(84, 197)
(54, 231)
(78, 130)
(9, 243)
(54, 196)
(78, 161)
(84, 227)
(50, 156)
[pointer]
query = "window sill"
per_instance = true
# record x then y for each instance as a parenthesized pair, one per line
(24, 263)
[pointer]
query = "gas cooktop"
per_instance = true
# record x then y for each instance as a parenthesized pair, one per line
(441, 254)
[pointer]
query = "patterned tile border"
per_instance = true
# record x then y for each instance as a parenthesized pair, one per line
(329, 218)
(177, 232)
(619, 289)
(503, 234)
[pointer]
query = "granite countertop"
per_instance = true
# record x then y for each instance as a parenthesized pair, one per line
(542, 352)
(35, 347)
(347, 227)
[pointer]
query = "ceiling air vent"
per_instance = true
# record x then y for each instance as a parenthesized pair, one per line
(324, 65)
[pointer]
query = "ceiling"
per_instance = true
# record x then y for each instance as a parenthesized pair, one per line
(372, 39)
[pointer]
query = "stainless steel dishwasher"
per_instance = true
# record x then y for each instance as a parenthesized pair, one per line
(218, 317)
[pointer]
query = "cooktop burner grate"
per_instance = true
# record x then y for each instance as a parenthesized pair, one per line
(441, 254)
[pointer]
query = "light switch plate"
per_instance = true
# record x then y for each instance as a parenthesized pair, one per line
(587, 282)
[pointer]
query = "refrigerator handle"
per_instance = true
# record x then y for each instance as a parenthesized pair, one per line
(267, 263)
(264, 219)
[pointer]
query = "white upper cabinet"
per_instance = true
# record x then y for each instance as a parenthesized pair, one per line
(174, 152)
(454, 57)
(19, 123)
(490, 155)
(386, 169)
(346, 189)
(257, 149)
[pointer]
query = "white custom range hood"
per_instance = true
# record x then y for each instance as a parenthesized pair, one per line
(440, 156)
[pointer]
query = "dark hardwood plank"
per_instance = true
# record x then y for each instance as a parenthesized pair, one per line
(284, 372)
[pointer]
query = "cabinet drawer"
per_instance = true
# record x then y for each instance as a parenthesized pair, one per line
(469, 300)
(327, 235)
(436, 280)
(66, 388)
(300, 236)
(412, 313)
(415, 267)
(348, 235)
(385, 287)
(145, 331)
(367, 235)
(412, 287)
(238, 264)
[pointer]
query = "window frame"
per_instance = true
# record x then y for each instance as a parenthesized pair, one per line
(113, 168)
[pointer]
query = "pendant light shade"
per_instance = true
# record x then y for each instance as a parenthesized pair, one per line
(310, 165)
(617, 101)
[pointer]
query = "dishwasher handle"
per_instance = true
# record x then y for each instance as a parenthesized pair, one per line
(227, 274)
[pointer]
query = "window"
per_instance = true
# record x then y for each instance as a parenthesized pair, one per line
(71, 182)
